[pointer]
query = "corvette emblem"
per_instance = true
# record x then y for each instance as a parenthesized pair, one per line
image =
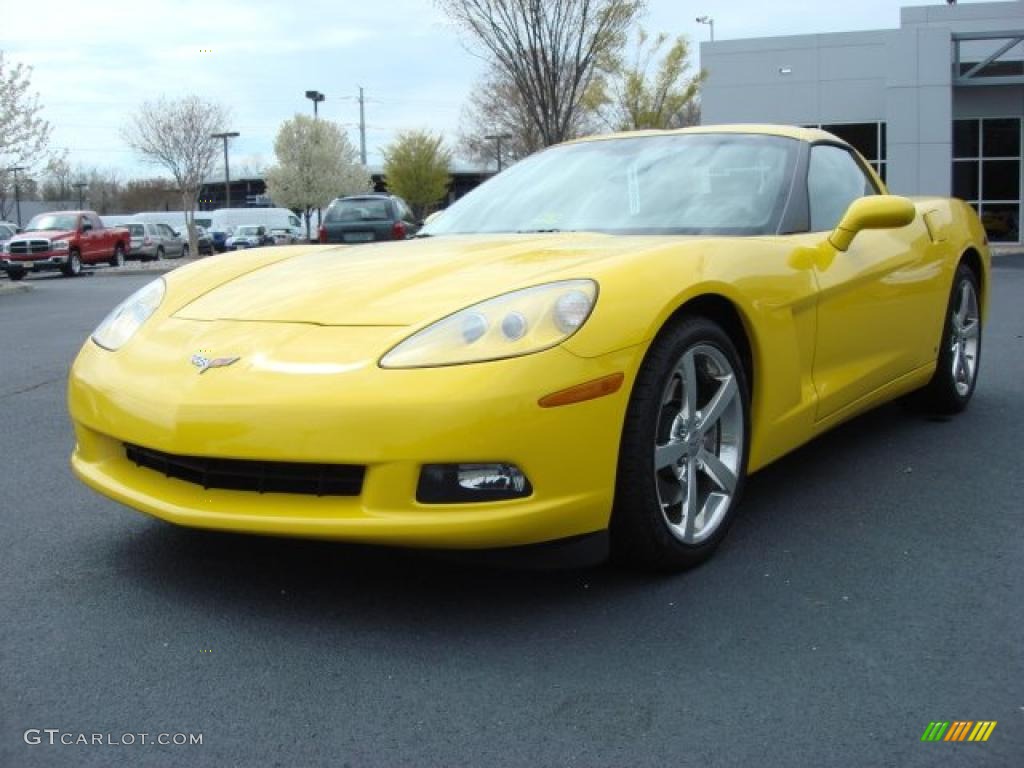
(204, 363)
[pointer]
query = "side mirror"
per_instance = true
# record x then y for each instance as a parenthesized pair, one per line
(873, 212)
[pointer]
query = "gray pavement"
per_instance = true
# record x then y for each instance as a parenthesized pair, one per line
(873, 583)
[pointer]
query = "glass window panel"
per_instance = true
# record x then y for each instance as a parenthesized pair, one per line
(1000, 138)
(885, 141)
(965, 179)
(1000, 180)
(1002, 222)
(861, 136)
(965, 138)
(834, 181)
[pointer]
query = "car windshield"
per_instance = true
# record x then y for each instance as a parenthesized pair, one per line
(358, 209)
(699, 183)
(244, 231)
(52, 221)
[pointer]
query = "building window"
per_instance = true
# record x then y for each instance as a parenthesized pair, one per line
(987, 173)
(867, 138)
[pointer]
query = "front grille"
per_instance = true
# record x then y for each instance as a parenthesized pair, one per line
(23, 247)
(259, 476)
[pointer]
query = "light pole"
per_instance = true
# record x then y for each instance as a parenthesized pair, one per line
(80, 185)
(17, 194)
(316, 97)
(227, 170)
(710, 22)
(497, 138)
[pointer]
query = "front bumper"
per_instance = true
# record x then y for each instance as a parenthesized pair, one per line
(283, 401)
(38, 263)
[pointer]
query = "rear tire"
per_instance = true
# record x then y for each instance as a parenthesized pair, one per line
(74, 266)
(956, 371)
(684, 449)
(159, 256)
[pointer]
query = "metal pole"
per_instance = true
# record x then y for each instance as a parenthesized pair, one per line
(80, 185)
(498, 137)
(362, 128)
(227, 170)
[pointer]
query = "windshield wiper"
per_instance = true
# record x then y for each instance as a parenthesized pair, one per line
(539, 231)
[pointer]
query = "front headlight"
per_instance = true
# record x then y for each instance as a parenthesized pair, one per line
(128, 316)
(59, 245)
(514, 324)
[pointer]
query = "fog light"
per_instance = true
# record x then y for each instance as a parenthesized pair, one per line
(462, 483)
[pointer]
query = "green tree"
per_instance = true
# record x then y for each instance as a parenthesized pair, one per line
(416, 169)
(315, 163)
(629, 96)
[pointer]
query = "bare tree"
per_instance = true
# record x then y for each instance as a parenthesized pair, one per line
(24, 135)
(177, 134)
(548, 49)
(315, 163)
(495, 107)
(629, 97)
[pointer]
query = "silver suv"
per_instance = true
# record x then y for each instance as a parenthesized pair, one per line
(152, 241)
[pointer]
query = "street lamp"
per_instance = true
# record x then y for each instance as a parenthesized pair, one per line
(710, 22)
(80, 185)
(227, 170)
(17, 194)
(497, 138)
(316, 97)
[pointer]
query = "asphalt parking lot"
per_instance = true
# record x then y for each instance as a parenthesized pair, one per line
(873, 583)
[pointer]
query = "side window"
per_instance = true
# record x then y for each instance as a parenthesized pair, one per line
(834, 180)
(294, 221)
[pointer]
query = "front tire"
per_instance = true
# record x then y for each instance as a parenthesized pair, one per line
(685, 443)
(184, 251)
(16, 274)
(956, 371)
(74, 266)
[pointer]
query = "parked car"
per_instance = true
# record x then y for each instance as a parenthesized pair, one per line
(366, 218)
(594, 347)
(204, 243)
(153, 241)
(64, 240)
(229, 219)
(249, 236)
(284, 237)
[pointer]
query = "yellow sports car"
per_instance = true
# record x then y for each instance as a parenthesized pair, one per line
(592, 350)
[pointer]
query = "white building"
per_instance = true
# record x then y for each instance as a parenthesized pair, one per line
(936, 105)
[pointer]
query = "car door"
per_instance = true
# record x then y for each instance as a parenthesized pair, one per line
(875, 299)
(173, 245)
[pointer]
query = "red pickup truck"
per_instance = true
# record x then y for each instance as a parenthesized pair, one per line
(64, 240)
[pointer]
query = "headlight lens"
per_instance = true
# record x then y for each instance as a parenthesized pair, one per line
(128, 316)
(59, 245)
(510, 325)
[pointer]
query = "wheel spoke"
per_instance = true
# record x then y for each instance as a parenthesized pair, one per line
(971, 329)
(713, 411)
(965, 303)
(691, 505)
(668, 455)
(719, 473)
(687, 371)
(957, 361)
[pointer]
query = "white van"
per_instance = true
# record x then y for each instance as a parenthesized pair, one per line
(174, 219)
(227, 219)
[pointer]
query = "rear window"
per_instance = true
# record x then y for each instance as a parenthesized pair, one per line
(137, 230)
(359, 209)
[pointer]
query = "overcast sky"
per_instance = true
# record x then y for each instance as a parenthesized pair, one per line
(95, 62)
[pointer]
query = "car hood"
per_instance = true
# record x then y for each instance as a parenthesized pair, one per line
(406, 282)
(48, 234)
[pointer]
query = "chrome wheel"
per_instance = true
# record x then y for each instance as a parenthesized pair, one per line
(964, 339)
(698, 447)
